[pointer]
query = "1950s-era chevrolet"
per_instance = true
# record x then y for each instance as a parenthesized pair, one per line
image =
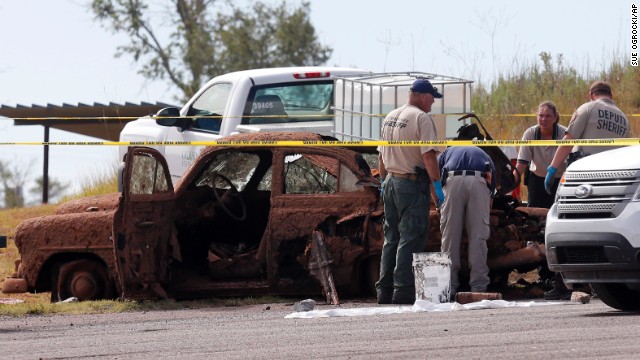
(243, 220)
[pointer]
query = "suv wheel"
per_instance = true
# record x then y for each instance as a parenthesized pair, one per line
(618, 296)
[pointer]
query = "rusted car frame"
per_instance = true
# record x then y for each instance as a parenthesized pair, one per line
(241, 221)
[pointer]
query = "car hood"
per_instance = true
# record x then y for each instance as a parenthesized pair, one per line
(624, 158)
(106, 202)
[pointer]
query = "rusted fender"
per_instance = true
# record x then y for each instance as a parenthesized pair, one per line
(39, 238)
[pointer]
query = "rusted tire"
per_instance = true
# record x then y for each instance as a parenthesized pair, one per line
(84, 279)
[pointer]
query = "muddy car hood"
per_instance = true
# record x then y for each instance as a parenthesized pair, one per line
(107, 202)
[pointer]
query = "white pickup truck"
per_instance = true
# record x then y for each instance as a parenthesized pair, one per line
(346, 103)
(291, 99)
(592, 232)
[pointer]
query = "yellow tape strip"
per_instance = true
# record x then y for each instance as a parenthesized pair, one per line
(118, 118)
(583, 142)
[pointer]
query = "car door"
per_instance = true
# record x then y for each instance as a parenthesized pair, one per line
(143, 225)
(312, 187)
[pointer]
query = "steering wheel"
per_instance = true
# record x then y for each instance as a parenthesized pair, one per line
(233, 193)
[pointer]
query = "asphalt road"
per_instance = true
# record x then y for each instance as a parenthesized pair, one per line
(262, 332)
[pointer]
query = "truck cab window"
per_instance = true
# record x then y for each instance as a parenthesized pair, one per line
(290, 103)
(211, 103)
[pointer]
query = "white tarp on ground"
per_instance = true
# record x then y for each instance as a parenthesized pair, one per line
(421, 306)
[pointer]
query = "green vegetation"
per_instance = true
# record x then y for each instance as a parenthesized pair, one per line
(550, 79)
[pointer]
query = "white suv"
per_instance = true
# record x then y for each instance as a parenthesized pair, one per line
(592, 231)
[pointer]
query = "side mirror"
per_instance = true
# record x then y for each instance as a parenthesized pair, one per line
(171, 117)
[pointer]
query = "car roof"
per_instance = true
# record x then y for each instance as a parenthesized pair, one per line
(272, 137)
(259, 136)
(268, 75)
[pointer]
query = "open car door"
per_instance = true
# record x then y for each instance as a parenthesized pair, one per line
(143, 225)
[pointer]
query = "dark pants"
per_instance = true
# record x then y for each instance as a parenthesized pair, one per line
(538, 196)
(406, 212)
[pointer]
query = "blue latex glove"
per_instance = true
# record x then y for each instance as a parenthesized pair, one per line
(548, 180)
(439, 193)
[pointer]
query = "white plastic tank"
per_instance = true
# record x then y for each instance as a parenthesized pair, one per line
(361, 103)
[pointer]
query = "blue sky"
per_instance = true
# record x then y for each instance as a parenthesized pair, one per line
(54, 52)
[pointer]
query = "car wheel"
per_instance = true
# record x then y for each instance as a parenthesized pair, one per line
(85, 280)
(618, 296)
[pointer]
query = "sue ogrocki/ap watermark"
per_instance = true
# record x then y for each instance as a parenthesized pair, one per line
(634, 35)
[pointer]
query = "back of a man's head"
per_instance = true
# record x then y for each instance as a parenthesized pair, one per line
(600, 88)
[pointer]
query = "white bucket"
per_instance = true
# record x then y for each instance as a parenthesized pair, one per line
(432, 272)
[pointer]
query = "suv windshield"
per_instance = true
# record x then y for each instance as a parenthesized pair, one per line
(294, 102)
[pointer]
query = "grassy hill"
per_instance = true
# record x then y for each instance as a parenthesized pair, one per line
(521, 91)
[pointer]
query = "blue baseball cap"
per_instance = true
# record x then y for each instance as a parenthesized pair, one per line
(422, 85)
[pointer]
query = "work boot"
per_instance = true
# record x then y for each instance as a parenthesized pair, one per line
(555, 294)
(404, 297)
(384, 297)
(559, 291)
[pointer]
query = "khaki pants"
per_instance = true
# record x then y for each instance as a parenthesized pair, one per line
(467, 204)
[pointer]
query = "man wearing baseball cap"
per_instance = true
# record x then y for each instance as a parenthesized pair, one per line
(405, 173)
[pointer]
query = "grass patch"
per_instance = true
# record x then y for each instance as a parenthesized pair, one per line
(38, 304)
(99, 183)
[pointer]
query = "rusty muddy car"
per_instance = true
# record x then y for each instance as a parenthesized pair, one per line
(243, 220)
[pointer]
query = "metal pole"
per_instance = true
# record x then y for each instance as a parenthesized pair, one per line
(45, 170)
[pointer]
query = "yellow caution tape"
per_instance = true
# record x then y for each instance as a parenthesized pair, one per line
(369, 143)
(119, 118)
